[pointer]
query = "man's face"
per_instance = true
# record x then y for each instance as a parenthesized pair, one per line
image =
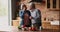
(30, 7)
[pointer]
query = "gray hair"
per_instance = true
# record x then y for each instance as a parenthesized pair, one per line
(33, 5)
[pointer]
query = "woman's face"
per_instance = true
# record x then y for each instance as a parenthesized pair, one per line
(24, 8)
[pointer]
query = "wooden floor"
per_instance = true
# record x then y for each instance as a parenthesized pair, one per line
(34, 31)
(15, 29)
(44, 30)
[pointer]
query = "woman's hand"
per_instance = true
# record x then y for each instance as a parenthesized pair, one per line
(31, 17)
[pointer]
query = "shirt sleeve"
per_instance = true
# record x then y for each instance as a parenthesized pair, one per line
(37, 14)
(20, 14)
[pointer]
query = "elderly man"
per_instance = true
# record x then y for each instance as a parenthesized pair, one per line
(35, 16)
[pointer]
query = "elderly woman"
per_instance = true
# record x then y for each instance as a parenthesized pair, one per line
(26, 18)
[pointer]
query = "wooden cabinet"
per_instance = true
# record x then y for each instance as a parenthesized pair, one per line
(15, 23)
(52, 4)
(47, 25)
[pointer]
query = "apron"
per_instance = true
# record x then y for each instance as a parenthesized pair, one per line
(26, 19)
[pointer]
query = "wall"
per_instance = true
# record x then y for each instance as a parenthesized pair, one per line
(4, 13)
(46, 13)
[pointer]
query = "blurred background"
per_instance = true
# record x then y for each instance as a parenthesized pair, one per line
(49, 12)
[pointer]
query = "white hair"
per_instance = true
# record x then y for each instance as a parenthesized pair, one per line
(30, 3)
(21, 6)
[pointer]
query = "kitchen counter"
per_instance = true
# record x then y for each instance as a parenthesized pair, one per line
(49, 25)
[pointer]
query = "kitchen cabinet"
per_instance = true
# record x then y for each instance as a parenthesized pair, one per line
(15, 23)
(47, 25)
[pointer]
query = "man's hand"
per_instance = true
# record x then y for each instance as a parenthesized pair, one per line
(30, 17)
